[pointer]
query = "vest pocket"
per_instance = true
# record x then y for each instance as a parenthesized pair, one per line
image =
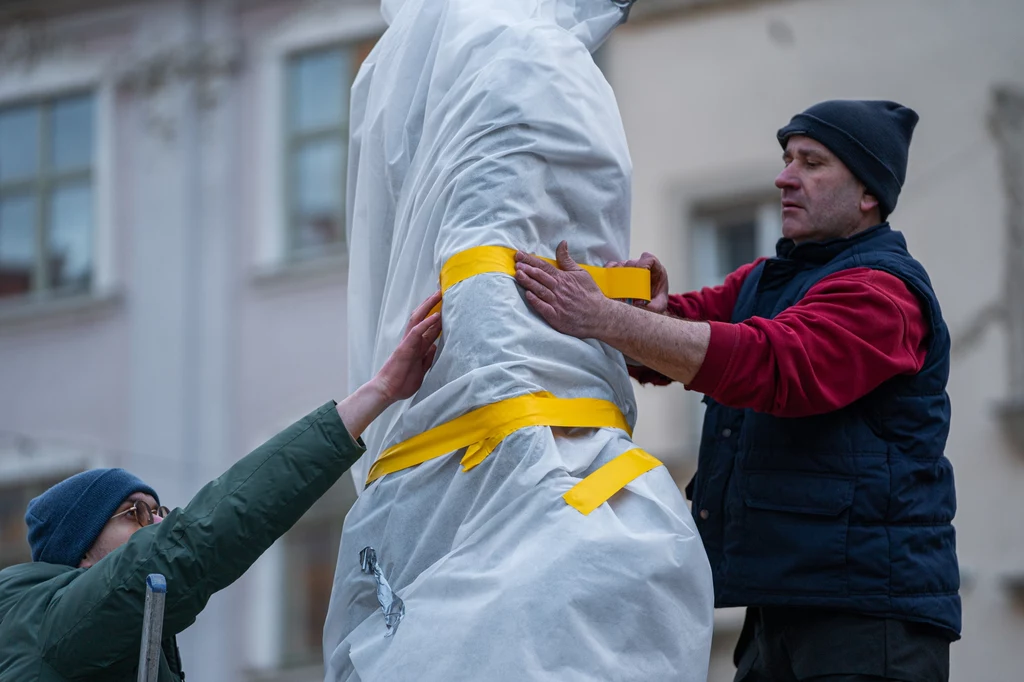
(791, 537)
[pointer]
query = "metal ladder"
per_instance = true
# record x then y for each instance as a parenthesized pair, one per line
(152, 628)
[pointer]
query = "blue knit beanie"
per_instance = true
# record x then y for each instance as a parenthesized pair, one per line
(65, 521)
(871, 137)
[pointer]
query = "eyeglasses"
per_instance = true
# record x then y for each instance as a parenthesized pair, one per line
(142, 514)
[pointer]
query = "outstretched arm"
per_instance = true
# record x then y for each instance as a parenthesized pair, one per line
(210, 543)
(851, 332)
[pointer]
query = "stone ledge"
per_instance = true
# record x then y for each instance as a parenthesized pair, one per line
(329, 265)
(30, 309)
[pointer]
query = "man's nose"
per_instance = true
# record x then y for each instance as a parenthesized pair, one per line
(157, 518)
(787, 179)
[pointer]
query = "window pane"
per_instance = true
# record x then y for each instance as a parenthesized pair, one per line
(318, 91)
(17, 244)
(318, 187)
(737, 245)
(70, 236)
(19, 142)
(72, 133)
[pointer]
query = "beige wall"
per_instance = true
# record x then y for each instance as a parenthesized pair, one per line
(702, 94)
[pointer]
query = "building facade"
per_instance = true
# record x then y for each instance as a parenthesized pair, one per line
(173, 274)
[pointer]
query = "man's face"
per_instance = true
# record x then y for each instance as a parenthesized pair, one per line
(118, 529)
(821, 198)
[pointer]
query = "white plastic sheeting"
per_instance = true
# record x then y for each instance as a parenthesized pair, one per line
(486, 122)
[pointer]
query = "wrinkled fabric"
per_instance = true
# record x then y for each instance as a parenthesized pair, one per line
(486, 122)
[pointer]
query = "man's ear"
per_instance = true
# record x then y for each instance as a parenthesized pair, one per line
(869, 202)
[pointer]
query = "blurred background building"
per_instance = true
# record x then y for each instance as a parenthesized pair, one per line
(173, 274)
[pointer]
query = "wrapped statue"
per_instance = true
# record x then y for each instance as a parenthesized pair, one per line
(507, 527)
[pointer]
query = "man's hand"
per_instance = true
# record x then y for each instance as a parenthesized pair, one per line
(571, 302)
(567, 297)
(403, 372)
(659, 281)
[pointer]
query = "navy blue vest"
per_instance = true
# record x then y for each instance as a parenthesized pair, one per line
(848, 510)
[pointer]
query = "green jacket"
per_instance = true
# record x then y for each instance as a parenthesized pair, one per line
(61, 623)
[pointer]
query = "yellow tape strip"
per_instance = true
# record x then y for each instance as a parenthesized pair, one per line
(481, 430)
(598, 487)
(632, 283)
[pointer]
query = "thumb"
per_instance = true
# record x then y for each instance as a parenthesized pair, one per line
(565, 261)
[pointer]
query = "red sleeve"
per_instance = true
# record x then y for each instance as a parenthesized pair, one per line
(710, 304)
(850, 333)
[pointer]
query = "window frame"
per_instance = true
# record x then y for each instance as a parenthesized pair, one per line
(42, 185)
(709, 219)
(293, 141)
(54, 77)
(706, 218)
(309, 31)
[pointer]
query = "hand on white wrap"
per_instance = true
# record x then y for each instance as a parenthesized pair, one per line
(567, 297)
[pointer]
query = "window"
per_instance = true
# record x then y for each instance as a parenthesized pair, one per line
(316, 121)
(722, 240)
(311, 553)
(27, 471)
(46, 196)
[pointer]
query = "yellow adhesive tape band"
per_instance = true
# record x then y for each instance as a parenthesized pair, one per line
(598, 487)
(481, 430)
(632, 283)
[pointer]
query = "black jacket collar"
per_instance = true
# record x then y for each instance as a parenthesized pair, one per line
(819, 253)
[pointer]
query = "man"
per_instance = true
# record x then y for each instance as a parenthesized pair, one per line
(822, 494)
(75, 612)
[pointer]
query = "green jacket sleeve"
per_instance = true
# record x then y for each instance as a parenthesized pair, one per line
(95, 622)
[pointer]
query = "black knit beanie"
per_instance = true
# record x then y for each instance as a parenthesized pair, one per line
(871, 137)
